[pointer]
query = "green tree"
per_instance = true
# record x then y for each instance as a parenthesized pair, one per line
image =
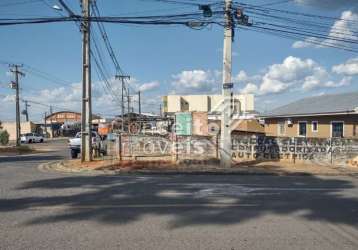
(4, 137)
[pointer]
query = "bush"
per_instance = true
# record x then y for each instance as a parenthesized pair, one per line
(4, 137)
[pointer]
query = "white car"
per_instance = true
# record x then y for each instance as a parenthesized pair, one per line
(75, 144)
(32, 138)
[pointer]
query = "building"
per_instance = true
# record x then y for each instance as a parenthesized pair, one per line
(26, 127)
(206, 103)
(247, 127)
(65, 123)
(315, 117)
(63, 116)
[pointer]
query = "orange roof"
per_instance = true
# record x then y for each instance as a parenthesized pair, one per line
(248, 126)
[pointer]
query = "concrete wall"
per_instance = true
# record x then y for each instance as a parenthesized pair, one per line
(179, 147)
(324, 126)
(26, 127)
(332, 151)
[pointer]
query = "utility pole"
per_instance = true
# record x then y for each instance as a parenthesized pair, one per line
(139, 104)
(26, 110)
(45, 121)
(15, 85)
(122, 77)
(51, 111)
(227, 88)
(128, 102)
(86, 117)
(140, 112)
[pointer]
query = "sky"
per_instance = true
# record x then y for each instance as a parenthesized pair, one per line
(165, 60)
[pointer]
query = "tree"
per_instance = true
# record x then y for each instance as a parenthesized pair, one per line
(4, 137)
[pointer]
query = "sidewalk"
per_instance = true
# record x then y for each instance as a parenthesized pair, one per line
(163, 167)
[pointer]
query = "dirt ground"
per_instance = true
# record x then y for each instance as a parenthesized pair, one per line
(201, 167)
(9, 150)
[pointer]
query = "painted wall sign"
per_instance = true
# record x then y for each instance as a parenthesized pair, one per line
(261, 148)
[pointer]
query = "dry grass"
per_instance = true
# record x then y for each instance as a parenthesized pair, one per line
(16, 150)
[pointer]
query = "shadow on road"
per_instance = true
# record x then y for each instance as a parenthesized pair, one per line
(189, 200)
(29, 158)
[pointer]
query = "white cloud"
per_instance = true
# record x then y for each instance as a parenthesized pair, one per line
(250, 88)
(195, 81)
(345, 81)
(292, 72)
(340, 31)
(348, 68)
(149, 86)
(9, 98)
(308, 42)
(328, 4)
(241, 77)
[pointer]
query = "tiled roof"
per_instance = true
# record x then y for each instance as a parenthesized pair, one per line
(336, 103)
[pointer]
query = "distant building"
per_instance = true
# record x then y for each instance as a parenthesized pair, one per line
(65, 123)
(26, 127)
(316, 117)
(206, 103)
(63, 116)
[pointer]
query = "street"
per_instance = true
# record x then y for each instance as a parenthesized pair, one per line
(50, 210)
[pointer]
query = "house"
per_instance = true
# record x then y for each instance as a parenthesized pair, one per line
(206, 103)
(323, 116)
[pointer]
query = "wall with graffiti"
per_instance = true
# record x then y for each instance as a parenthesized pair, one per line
(330, 151)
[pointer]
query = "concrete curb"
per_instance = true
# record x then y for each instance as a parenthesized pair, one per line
(59, 166)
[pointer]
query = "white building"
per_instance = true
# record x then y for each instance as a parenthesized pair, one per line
(212, 104)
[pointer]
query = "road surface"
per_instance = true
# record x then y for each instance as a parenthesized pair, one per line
(49, 210)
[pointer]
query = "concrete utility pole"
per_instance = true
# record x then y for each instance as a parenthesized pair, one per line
(225, 149)
(140, 112)
(15, 85)
(45, 122)
(51, 111)
(26, 110)
(122, 77)
(139, 104)
(128, 102)
(86, 126)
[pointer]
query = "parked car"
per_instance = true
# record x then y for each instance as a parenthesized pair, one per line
(32, 138)
(97, 144)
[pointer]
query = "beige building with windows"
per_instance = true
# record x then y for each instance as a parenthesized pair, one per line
(205, 103)
(315, 117)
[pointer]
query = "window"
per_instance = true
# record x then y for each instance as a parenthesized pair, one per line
(355, 128)
(302, 128)
(281, 128)
(337, 129)
(314, 126)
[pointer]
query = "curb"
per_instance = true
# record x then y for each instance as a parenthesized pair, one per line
(57, 166)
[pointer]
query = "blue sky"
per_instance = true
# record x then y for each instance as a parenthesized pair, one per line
(163, 60)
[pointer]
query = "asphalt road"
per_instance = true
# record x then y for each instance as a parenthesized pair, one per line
(48, 210)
